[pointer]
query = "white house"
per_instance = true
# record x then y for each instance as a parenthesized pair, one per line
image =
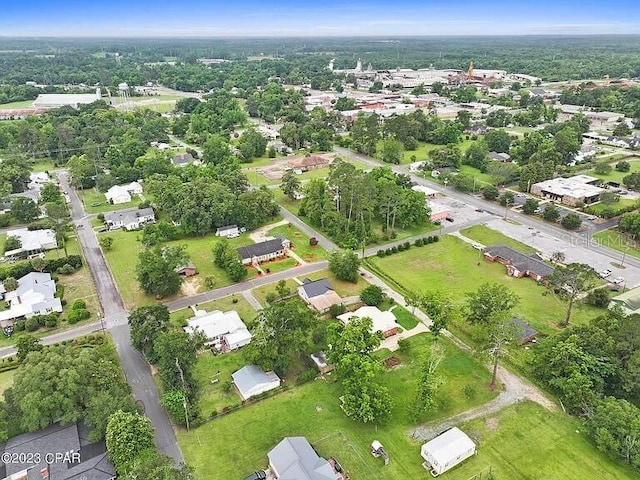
(384, 322)
(295, 459)
(130, 219)
(446, 451)
(251, 380)
(225, 331)
(229, 231)
(35, 295)
(122, 193)
(31, 242)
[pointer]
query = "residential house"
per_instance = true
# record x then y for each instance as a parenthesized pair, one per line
(182, 159)
(264, 251)
(187, 270)
(311, 162)
(320, 361)
(229, 231)
(500, 157)
(119, 194)
(130, 219)
(629, 301)
(84, 460)
(251, 380)
(225, 331)
(35, 295)
(446, 451)
(319, 294)
(384, 322)
(32, 242)
(295, 459)
(572, 191)
(518, 264)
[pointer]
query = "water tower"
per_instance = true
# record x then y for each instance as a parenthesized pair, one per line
(125, 97)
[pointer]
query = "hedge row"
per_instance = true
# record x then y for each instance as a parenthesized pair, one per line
(407, 245)
(55, 265)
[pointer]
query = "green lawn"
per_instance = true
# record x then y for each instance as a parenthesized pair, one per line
(422, 152)
(242, 439)
(452, 264)
(20, 104)
(42, 165)
(482, 178)
(292, 205)
(487, 236)
(261, 292)
(404, 318)
(300, 243)
(244, 309)
(255, 178)
(617, 206)
(212, 367)
(6, 380)
(3, 241)
(615, 175)
(94, 201)
(526, 442)
(618, 241)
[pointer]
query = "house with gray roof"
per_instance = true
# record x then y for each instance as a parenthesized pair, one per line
(523, 332)
(518, 264)
(182, 159)
(264, 251)
(83, 460)
(129, 219)
(251, 380)
(295, 459)
(319, 294)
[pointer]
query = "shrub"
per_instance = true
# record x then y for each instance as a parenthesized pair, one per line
(469, 391)
(598, 298)
(337, 309)
(234, 299)
(436, 239)
(19, 326)
(419, 242)
(407, 245)
(210, 281)
(76, 315)
(306, 376)
(79, 304)
(51, 321)
(388, 252)
(380, 253)
(59, 290)
(394, 249)
(226, 386)
(372, 295)
(5, 220)
(66, 269)
(31, 324)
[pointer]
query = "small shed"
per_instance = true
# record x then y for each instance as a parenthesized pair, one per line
(187, 270)
(524, 333)
(446, 451)
(320, 360)
(251, 380)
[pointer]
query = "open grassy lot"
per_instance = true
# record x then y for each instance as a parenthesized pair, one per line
(404, 318)
(452, 264)
(618, 241)
(261, 293)
(73, 248)
(342, 288)
(79, 285)
(422, 152)
(487, 236)
(481, 178)
(3, 241)
(94, 201)
(20, 104)
(300, 243)
(525, 442)
(617, 206)
(6, 380)
(614, 175)
(42, 165)
(242, 439)
(232, 302)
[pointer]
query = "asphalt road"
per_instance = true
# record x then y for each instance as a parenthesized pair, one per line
(135, 367)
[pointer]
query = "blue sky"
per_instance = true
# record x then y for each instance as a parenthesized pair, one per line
(183, 18)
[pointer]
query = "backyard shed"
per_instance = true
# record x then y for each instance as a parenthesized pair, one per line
(446, 451)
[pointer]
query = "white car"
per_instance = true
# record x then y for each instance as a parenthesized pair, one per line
(477, 246)
(604, 273)
(618, 280)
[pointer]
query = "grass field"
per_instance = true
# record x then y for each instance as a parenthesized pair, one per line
(242, 439)
(3, 242)
(244, 309)
(79, 285)
(404, 318)
(482, 178)
(453, 264)
(618, 241)
(614, 175)
(94, 201)
(12, 105)
(42, 165)
(526, 442)
(487, 236)
(300, 243)
(6, 380)
(617, 206)
(261, 293)
(422, 152)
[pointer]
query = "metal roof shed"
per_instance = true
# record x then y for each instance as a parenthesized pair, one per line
(447, 450)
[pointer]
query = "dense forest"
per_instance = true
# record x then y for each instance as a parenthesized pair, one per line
(298, 61)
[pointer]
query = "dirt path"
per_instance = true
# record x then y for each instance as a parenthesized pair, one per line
(515, 390)
(260, 234)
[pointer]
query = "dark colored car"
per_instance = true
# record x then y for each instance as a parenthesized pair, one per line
(449, 219)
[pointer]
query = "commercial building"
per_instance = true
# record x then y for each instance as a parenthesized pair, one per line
(572, 191)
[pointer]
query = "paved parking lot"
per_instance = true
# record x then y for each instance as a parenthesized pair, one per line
(547, 244)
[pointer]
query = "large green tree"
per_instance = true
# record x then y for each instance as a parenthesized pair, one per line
(570, 282)
(344, 265)
(147, 324)
(129, 435)
(156, 272)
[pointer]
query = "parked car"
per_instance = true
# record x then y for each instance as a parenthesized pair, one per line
(618, 280)
(477, 246)
(605, 273)
(257, 475)
(449, 219)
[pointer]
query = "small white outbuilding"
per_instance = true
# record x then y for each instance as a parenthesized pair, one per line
(446, 451)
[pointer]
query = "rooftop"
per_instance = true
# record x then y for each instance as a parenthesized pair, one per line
(295, 459)
(262, 248)
(523, 262)
(382, 321)
(578, 186)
